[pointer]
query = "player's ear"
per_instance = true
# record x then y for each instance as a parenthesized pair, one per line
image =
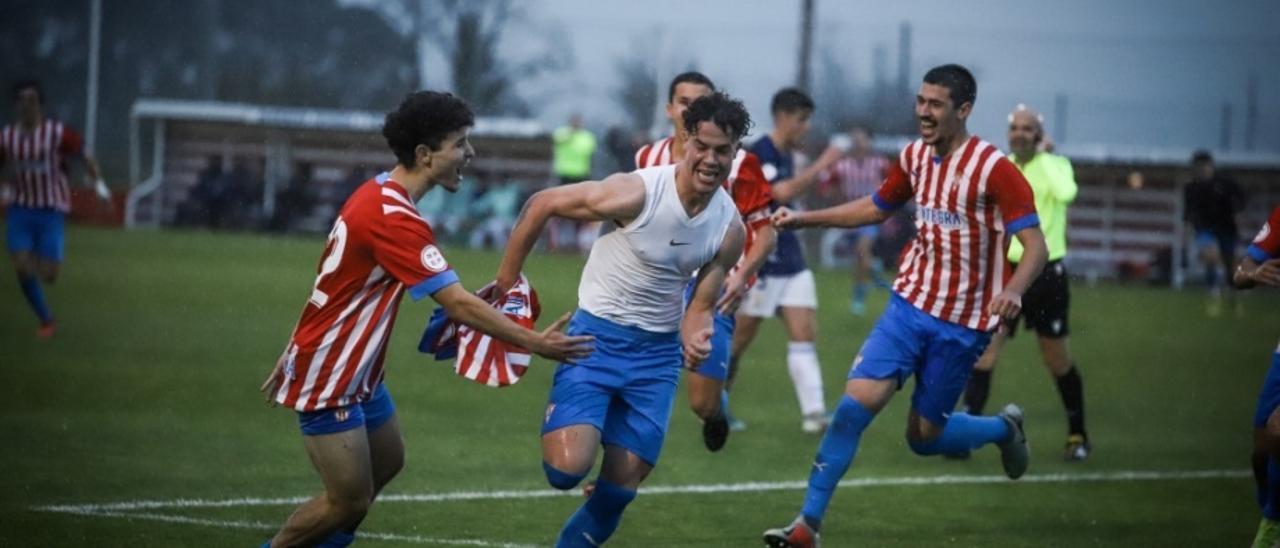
(422, 156)
(964, 110)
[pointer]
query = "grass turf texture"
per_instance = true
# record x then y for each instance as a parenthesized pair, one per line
(149, 392)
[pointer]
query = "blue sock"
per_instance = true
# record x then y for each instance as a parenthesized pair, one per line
(339, 539)
(964, 432)
(1271, 509)
(561, 480)
(860, 292)
(35, 297)
(597, 519)
(835, 454)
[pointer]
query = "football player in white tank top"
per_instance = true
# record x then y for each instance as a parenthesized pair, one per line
(671, 221)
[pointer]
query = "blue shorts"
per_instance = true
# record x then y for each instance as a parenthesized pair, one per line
(1269, 397)
(717, 364)
(625, 388)
(38, 231)
(906, 341)
(370, 414)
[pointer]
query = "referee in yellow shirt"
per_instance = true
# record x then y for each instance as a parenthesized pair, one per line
(1044, 306)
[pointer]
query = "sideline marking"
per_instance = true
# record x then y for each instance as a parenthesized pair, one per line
(137, 509)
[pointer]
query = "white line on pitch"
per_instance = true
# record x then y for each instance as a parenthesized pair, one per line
(1138, 475)
(258, 525)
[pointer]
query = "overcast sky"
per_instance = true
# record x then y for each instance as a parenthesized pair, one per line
(1149, 72)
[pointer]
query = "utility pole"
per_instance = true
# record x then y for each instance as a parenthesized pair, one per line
(1224, 137)
(806, 44)
(1060, 117)
(1251, 111)
(904, 59)
(91, 94)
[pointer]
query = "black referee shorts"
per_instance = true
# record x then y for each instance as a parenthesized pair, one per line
(1044, 306)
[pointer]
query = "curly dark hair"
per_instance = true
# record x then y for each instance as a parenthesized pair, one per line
(424, 118)
(724, 111)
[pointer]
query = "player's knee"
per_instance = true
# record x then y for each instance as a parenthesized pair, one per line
(560, 479)
(1272, 428)
(351, 505)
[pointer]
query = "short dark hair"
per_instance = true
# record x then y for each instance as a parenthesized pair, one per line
(790, 100)
(1201, 156)
(957, 79)
(690, 77)
(424, 118)
(29, 84)
(724, 111)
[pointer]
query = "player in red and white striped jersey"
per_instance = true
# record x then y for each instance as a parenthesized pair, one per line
(856, 175)
(331, 372)
(949, 296)
(1261, 266)
(38, 152)
(750, 191)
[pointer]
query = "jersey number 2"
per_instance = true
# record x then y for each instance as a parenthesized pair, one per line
(333, 255)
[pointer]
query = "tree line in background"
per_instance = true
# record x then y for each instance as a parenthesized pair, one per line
(332, 54)
(356, 54)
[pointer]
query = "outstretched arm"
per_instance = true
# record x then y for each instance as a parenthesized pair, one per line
(469, 309)
(787, 190)
(697, 325)
(863, 211)
(619, 197)
(1250, 273)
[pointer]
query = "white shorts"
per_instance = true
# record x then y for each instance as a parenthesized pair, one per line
(771, 292)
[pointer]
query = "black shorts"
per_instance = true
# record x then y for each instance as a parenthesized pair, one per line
(1044, 306)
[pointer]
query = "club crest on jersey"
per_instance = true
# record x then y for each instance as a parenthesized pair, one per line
(433, 259)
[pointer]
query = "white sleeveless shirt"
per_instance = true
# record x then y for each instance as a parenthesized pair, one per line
(636, 275)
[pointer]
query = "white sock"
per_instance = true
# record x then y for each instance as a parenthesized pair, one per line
(806, 374)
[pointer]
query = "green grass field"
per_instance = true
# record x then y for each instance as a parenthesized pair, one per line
(149, 393)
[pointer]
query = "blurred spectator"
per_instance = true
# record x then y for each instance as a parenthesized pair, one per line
(495, 208)
(1212, 203)
(573, 148)
(621, 144)
(237, 206)
(449, 212)
(202, 206)
(572, 153)
(295, 201)
(856, 175)
(348, 185)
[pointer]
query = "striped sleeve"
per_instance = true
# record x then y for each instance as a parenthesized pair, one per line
(405, 247)
(1014, 197)
(1266, 245)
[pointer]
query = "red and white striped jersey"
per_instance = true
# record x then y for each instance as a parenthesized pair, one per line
(746, 184)
(477, 355)
(856, 177)
(40, 158)
(379, 245)
(966, 202)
